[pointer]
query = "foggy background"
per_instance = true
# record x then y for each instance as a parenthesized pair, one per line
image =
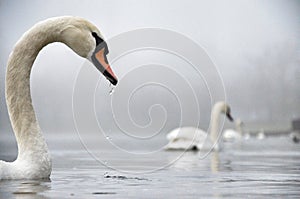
(254, 44)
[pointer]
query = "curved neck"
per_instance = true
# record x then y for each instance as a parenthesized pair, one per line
(18, 97)
(215, 120)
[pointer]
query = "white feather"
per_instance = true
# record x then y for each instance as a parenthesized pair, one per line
(33, 159)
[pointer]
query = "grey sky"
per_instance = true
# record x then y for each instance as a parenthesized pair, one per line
(254, 44)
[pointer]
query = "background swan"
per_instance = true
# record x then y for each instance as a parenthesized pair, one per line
(191, 138)
(261, 134)
(237, 133)
(33, 160)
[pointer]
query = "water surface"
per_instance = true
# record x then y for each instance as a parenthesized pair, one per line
(252, 168)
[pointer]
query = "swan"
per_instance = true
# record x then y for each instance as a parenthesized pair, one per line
(33, 160)
(191, 138)
(261, 134)
(235, 134)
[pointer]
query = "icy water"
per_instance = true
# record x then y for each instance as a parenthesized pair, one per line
(268, 168)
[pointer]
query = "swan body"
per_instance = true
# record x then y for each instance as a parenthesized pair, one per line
(234, 134)
(261, 135)
(231, 135)
(187, 138)
(33, 160)
(192, 138)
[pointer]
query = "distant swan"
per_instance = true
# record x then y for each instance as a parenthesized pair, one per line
(191, 138)
(237, 133)
(33, 161)
(261, 134)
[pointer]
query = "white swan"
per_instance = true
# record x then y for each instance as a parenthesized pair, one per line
(261, 134)
(234, 134)
(33, 160)
(191, 138)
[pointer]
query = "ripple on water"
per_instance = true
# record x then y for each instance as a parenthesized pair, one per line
(241, 171)
(121, 177)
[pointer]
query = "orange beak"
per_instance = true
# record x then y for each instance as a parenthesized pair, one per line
(99, 59)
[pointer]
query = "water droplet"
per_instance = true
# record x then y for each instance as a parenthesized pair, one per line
(108, 138)
(112, 89)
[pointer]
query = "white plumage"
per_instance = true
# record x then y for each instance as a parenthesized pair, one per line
(192, 138)
(235, 134)
(33, 159)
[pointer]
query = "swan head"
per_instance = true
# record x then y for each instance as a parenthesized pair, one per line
(86, 40)
(225, 109)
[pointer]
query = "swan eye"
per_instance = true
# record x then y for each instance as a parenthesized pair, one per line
(97, 38)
